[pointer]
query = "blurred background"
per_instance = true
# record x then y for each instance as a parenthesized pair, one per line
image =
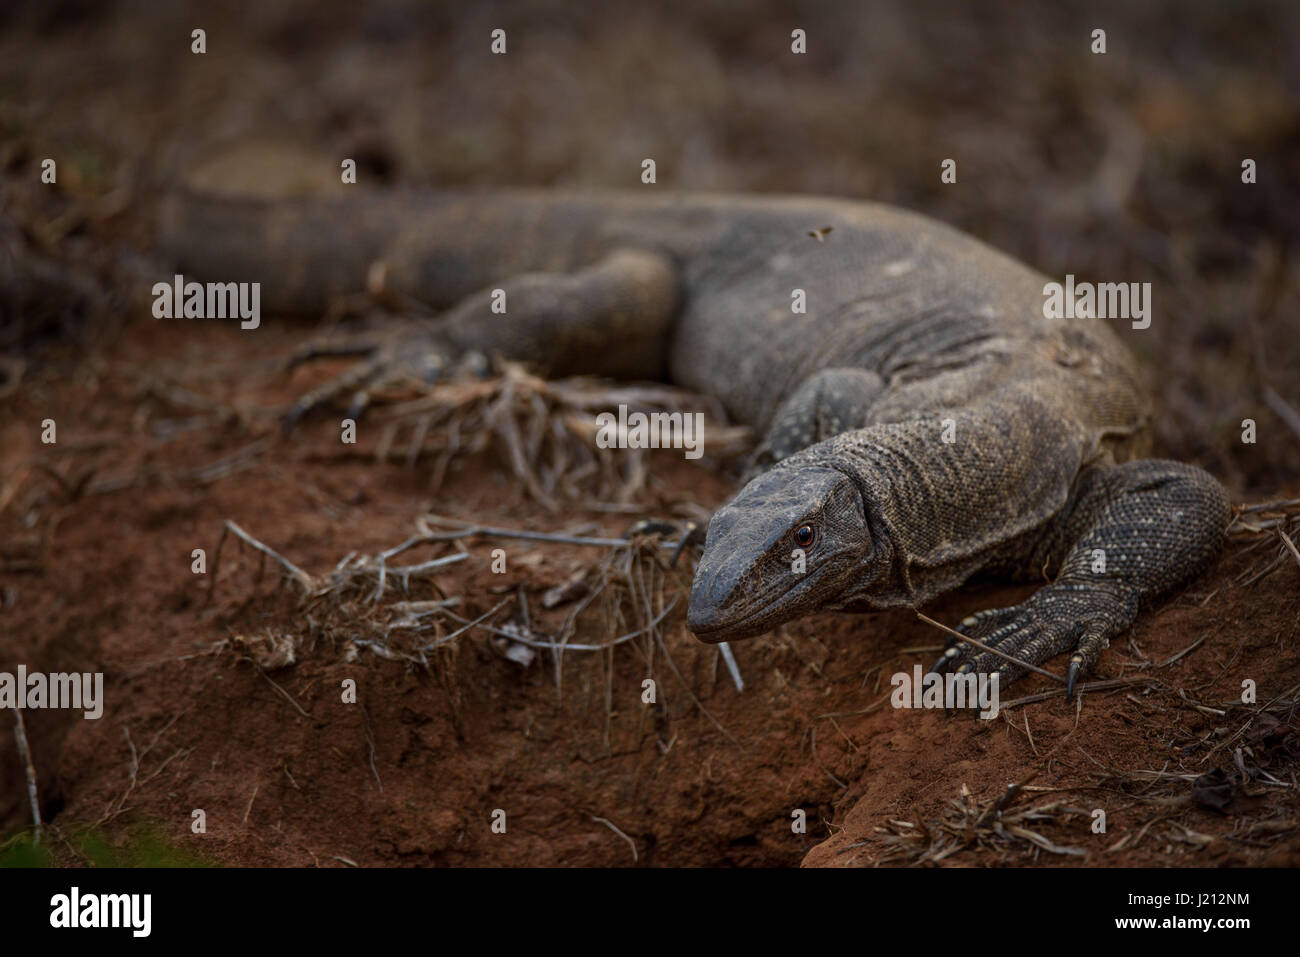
(1117, 167)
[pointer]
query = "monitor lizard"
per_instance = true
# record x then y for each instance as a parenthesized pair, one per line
(924, 422)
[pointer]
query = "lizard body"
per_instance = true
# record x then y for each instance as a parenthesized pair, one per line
(923, 421)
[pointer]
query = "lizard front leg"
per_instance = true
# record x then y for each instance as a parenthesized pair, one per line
(610, 319)
(1131, 532)
(827, 403)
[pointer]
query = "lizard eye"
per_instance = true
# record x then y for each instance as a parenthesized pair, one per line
(804, 536)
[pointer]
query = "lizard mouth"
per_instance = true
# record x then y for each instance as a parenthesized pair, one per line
(710, 622)
(746, 584)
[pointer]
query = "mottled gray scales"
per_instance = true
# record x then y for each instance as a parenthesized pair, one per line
(923, 422)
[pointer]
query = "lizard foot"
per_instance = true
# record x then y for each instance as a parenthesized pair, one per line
(1057, 618)
(387, 362)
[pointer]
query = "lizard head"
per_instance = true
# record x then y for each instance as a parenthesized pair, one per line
(792, 541)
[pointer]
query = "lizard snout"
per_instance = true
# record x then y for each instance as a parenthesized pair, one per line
(778, 550)
(712, 591)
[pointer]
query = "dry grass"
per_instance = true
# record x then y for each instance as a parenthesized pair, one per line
(1237, 761)
(1255, 527)
(544, 431)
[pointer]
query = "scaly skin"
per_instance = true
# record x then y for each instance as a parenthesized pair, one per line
(922, 419)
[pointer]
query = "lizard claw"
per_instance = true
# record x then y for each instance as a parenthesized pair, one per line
(977, 626)
(1053, 620)
(406, 360)
(1076, 662)
(360, 377)
(940, 666)
(349, 348)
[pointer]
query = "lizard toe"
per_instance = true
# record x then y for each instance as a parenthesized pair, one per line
(357, 380)
(1051, 622)
(1032, 640)
(392, 364)
(350, 347)
(1084, 659)
(986, 626)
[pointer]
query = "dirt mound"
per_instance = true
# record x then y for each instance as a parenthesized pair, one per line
(227, 691)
